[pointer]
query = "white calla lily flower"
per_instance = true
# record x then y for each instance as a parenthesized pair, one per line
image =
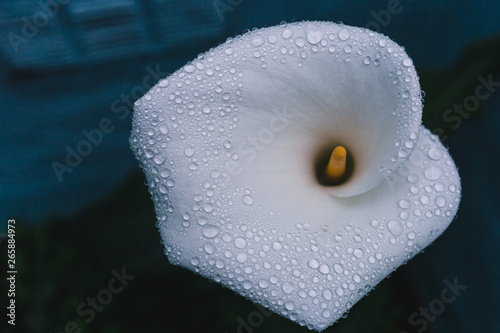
(237, 149)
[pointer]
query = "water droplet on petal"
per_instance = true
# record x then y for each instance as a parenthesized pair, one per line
(290, 305)
(287, 33)
(164, 83)
(287, 288)
(208, 208)
(210, 231)
(344, 34)
(240, 243)
(272, 39)
(358, 253)
(441, 201)
(300, 42)
(189, 68)
(209, 248)
(159, 159)
(189, 151)
(163, 189)
(163, 129)
(202, 220)
(193, 166)
(277, 246)
(435, 153)
(404, 204)
(247, 200)
(314, 36)
(324, 269)
(424, 199)
(263, 283)
(313, 263)
(241, 257)
(433, 173)
(407, 62)
(257, 41)
(395, 227)
(327, 294)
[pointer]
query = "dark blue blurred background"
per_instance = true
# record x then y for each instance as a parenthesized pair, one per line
(72, 68)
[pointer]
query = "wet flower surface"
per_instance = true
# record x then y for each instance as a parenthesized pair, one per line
(233, 146)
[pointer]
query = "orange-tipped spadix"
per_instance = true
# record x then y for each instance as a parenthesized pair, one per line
(337, 164)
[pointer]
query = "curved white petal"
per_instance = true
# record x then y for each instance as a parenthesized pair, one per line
(337, 84)
(228, 146)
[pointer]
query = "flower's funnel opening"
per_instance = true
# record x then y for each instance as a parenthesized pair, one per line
(320, 165)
